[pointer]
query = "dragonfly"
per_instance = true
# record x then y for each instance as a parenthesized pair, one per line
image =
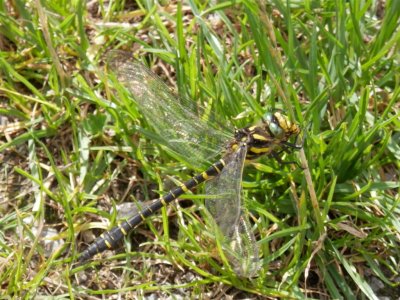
(179, 126)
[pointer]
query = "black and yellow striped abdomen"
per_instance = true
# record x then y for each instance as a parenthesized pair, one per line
(110, 239)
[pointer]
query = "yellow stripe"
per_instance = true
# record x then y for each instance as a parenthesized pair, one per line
(216, 168)
(129, 224)
(283, 121)
(108, 244)
(205, 176)
(260, 150)
(222, 162)
(252, 128)
(143, 218)
(184, 188)
(122, 230)
(163, 202)
(259, 137)
(195, 180)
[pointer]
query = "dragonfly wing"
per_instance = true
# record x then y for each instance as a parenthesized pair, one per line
(225, 207)
(180, 128)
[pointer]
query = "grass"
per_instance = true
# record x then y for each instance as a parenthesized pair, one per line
(71, 148)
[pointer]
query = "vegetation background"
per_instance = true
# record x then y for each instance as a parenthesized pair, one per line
(69, 152)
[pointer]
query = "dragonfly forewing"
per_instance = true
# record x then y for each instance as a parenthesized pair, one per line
(180, 128)
(224, 203)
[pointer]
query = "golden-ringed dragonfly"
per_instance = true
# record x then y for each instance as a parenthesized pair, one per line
(183, 132)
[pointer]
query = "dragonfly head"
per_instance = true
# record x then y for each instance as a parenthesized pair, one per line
(267, 137)
(279, 126)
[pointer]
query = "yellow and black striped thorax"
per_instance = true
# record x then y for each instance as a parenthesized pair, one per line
(271, 134)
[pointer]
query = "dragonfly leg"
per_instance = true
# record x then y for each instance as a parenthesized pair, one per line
(276, 156)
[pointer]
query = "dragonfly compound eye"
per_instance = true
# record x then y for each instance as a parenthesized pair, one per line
(280, 126)
(276, 130)
(273, 122)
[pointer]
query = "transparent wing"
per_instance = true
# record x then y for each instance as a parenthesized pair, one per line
(226, 208)
(172, 119)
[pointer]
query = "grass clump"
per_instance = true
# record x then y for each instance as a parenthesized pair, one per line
(70, 150)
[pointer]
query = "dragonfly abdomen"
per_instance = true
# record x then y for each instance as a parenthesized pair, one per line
(110, 239)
